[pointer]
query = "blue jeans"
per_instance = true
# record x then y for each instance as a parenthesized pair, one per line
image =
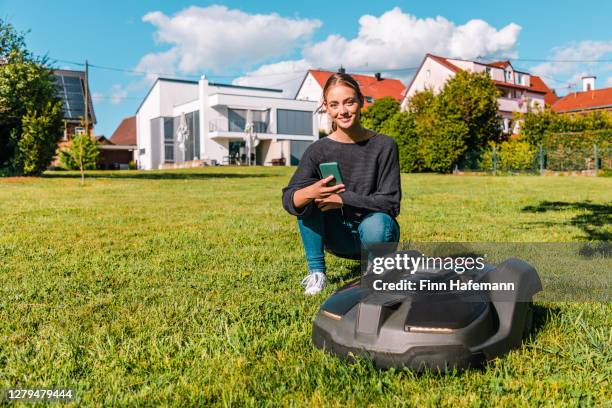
(345, 238)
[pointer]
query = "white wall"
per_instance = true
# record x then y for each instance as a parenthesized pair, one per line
(162, 99)
(311, 90)
(432, 75)
(150, 108)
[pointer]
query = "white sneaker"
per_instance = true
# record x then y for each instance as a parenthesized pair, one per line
(314, 283)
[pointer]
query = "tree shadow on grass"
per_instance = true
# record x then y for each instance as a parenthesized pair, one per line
(157, 176)
(594, 219)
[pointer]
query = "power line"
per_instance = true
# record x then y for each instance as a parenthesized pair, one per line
(300, 71)
(561, 61)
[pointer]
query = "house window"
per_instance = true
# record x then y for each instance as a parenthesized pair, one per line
(237, 119)
(293, 122)
(488, 71)
(141, 151)
(519, 79)
(508, 76)
(192, 142)
(369, 99)
(79, 130)
(169, 140)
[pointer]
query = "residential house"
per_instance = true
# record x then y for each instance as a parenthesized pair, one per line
(519, 91)
(70, 87)
(117, 152)
(372, 87)
(589, 100)
(186, 123)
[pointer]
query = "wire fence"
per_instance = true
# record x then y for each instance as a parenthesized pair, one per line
(544, 160)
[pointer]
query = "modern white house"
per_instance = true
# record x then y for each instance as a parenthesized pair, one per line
(186, 123)
(519, 91)
(372, 87)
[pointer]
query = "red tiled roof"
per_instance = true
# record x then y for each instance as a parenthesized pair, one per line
(369, 85)
(589, 100)
(499, 64)
(511, 85)
(103, 140)
(444, 62)
(125, 134)
(455, 68)
(537, 84)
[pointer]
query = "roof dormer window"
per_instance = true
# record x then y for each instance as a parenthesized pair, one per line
(519, 79)
(508, 76)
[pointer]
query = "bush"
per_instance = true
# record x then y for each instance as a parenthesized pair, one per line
(512, 155)
(39, 136)
(538, 126)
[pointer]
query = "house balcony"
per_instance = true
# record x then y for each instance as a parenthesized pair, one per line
(221, 128)
(513, 105)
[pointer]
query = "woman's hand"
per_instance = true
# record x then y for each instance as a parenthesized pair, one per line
(316, 191)
(331, 202)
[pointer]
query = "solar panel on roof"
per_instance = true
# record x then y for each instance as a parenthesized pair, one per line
(70, 91)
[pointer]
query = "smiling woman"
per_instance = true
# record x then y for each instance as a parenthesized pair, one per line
(349, 216)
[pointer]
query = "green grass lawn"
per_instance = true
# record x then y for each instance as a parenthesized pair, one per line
(182, 288)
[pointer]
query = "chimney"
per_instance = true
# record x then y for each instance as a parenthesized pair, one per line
(588, 83)
(377, 76)
(341, 70)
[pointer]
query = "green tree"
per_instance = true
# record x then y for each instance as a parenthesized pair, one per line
(374, 116)
(82, 154)
(26, 89)
(402, 127)
(472, 97)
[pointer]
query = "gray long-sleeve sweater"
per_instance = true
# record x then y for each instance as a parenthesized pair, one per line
(369, 169)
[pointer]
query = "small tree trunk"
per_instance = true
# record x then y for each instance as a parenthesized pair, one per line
(81, 166)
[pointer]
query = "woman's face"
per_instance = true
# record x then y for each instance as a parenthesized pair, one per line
(342, 106)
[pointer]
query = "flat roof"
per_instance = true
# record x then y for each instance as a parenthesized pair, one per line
(192, 82)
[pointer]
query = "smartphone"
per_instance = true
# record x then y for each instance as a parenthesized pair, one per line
(331, 169)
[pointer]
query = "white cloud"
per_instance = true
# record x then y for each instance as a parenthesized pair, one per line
(582, 51)
(398, 40)
(218, 39)
(285, 75)
(117, 94)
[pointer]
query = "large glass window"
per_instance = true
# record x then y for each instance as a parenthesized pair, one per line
(192, 142)
(293, 122)
(238, 118)
(168, 140)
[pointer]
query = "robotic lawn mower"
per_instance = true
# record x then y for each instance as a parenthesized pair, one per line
(430, 329)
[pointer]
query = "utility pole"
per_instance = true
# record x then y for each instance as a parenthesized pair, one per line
(87, 97)
(86, 87)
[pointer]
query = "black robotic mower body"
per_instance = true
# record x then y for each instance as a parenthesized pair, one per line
(429, 330)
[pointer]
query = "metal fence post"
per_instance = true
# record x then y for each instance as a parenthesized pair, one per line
(494, 161)
(541, 160)
(596, 167)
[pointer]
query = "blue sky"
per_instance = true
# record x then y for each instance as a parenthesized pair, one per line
(272, 43)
